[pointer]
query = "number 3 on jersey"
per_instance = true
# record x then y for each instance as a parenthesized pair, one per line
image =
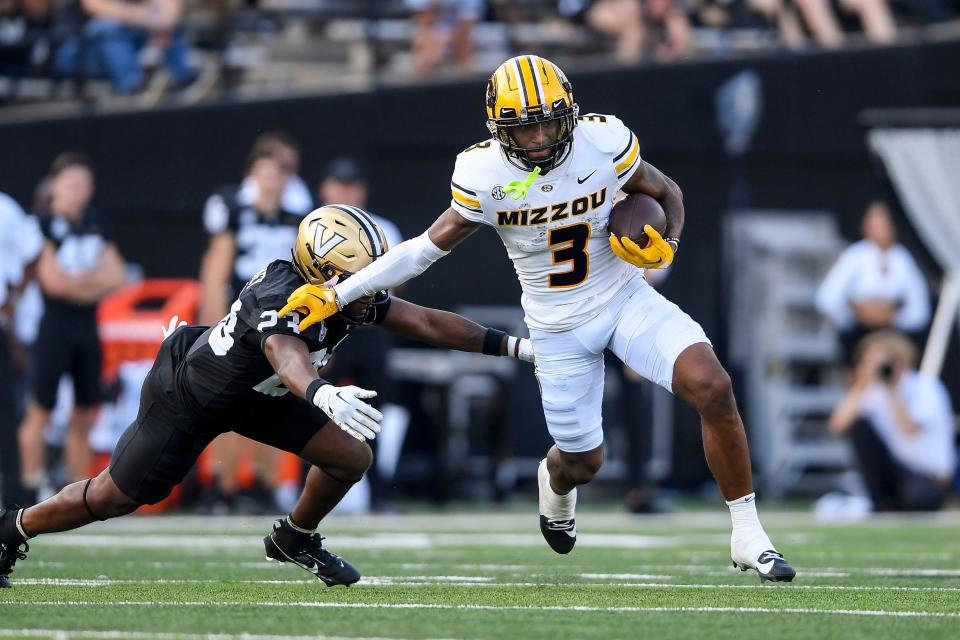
(571, 246)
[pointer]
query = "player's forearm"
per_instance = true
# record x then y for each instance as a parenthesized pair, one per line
(653, 182)
(672, 203)
(296, 375)
(404, 262)
(447, 330)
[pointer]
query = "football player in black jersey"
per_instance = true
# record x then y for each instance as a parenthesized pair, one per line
(255, 373)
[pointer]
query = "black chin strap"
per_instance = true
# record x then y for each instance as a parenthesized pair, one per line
(87, 505)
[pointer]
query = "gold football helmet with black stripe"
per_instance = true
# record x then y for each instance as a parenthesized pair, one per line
(337, 240)
(530, 90)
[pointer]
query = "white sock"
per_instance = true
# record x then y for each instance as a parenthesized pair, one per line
(552, 504)
(743, 516)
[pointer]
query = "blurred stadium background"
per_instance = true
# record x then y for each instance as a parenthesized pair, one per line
(781, 120)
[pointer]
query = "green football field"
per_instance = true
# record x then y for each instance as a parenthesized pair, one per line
(489, 575)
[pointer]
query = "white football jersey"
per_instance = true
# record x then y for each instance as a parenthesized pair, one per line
(557, 235)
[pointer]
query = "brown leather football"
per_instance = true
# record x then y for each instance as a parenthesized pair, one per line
(628, 217)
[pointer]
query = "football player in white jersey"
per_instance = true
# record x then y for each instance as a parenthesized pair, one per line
(546, 182)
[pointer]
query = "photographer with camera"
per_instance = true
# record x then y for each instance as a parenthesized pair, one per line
(901, 425)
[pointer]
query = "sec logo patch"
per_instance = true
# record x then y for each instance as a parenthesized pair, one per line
(497, 193)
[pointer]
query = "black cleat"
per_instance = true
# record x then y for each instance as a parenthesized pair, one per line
(561, 535)
(10, 552)
(770, 566)
(311, 556)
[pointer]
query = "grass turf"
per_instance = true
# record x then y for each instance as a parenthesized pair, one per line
(489, 575)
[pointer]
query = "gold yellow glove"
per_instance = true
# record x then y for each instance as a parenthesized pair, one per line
(316, 303)
(657, 254)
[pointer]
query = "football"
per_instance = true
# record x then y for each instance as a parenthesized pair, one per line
(633, 212)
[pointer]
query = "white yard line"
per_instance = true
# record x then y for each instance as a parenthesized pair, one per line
(67, 634)
(516, 569)
(483, 607)
(380, 541)
(471, 581)
(465, 520)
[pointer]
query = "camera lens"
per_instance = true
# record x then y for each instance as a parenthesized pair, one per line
(885, 371)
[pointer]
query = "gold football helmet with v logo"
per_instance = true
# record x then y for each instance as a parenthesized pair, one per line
(336, 240)
(527, 91)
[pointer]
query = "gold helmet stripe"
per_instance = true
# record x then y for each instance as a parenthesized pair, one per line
(535, 74)
(558, 73)
(366, 224)
(522, 83)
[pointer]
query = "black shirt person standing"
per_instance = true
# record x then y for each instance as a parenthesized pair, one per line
(78, 267)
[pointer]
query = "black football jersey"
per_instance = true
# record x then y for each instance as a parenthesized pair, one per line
(258, 239)
(79, 245)
(227, 362)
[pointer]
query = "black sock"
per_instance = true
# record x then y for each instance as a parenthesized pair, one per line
(9, 532)
(287, 535)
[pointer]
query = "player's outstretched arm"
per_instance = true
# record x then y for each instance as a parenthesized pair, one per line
(405, 261)
(408, 259)
(651, 181)
(290, 358)
(452, 331)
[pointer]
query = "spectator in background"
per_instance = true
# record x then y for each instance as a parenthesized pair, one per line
(875, 18)
(440, 24)
(78, 267)
(344, 182)
(622, 19)
(667, 34)
(822, 21)
(20, 245)
(25, 27)
(901, 425)
(363, 361)
(249, 227)
(284, 147)
(875, 284)
(115, 33)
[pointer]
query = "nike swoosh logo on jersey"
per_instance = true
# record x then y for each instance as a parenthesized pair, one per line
(582, 180)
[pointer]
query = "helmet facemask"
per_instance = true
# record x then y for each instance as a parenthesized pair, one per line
(503, 131)
(354, 313)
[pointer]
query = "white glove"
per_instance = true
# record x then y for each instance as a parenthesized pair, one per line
(520, 348)
(353, 415)
(174, 324)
